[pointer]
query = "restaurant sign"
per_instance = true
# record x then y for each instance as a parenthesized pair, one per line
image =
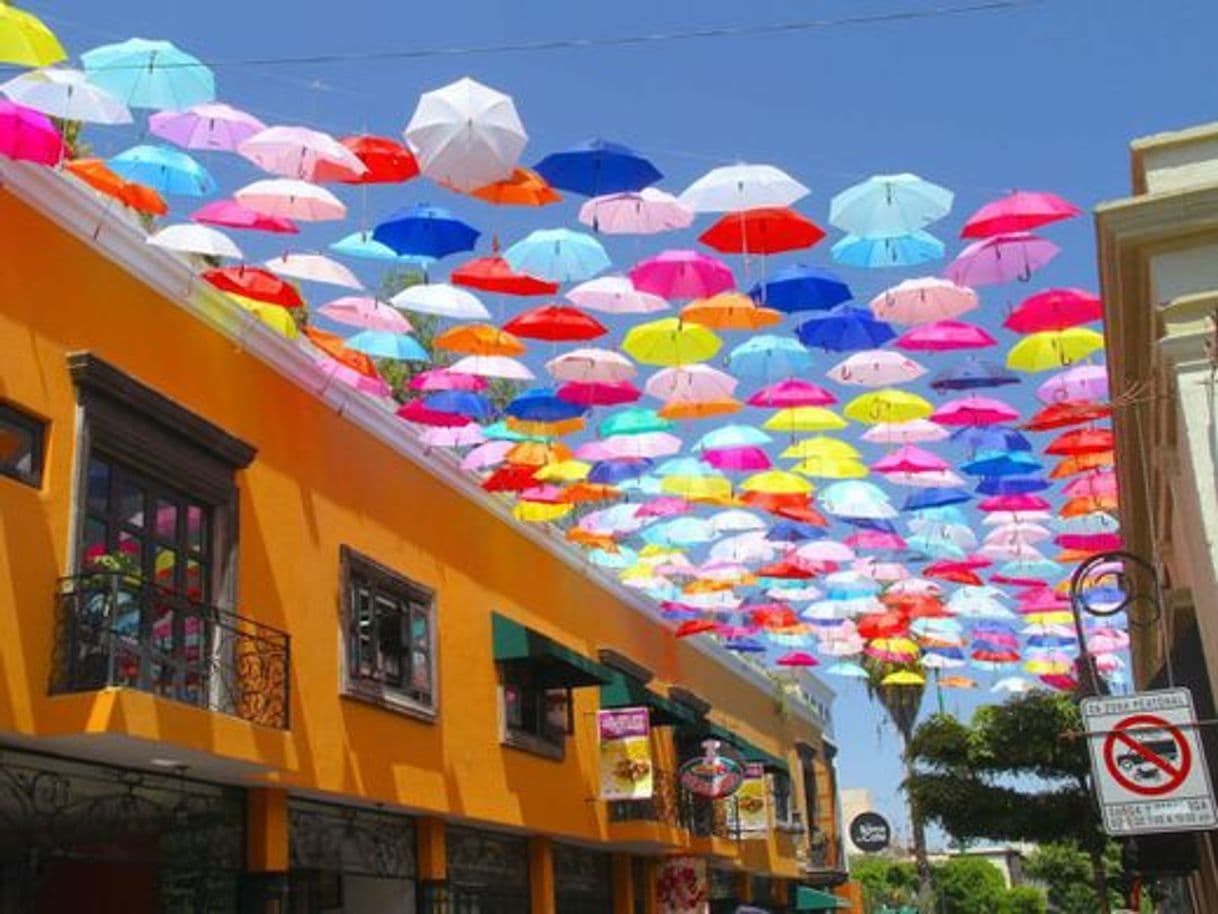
(625, 753)
(714, 774)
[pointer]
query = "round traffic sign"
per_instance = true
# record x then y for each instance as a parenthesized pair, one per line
(1146, 755)
(869, 832)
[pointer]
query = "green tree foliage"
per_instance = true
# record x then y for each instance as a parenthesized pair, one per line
(886, 883)
(1065, 870)
(969, 885)
(1023, 899)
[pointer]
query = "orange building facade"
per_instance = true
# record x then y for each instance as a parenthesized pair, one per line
(262, 652)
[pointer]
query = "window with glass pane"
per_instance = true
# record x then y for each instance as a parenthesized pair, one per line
(533, 710)
(784, 808)
(22, 445)
(389, 634)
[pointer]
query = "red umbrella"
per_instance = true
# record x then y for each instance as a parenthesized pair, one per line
(1069, 412)
(1082, 441)
(996, 656)
(780, 616)
(492, 274)
(513, 477)
(956, 575)
(1055, 309)
(415, 411)
(1021, 211)
(883, 625)
(388, 162)
(769, 230)
(256, 283)
(792, 569)
(599, 393)
(695, 627)
(797, 658)
(556, 323)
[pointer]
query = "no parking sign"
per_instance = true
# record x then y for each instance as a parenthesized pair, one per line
(1147, 763)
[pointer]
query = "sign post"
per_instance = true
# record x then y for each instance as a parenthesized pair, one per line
(1147, 763)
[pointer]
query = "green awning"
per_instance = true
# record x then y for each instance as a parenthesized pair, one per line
(627, 692)
(810, 899)
(555, 664)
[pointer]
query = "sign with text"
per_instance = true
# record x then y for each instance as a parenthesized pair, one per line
(870, 832)
(625, 753)
(1147, 763)
(752, 803)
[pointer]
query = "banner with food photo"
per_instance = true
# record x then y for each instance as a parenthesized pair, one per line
(752, 806)
(682, 886)
(625, 753)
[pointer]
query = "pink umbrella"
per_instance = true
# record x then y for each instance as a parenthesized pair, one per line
(615, 295)
(682, 274)
(210, 126)
(335, 369)
(925, 479)
(737, 459)
(1082, 383)
(1001, 259)
(645, 212)
(916, 431)
(876, 368)
(296, 152)
(691, 383)
(1021, 211)
(545, 494)
(314, 268)
(231, 214)
(974, 410)
(1090, 542)
(463, 436)
(1091, 485)
(797, 659)
(909, 459)
(944, 336)
(1055, 309)
(664, 506)
(1018, 502)
(874, 539)
(599, 393)
(1106, 640)
(1041, 600)
(916, 301)
(365, 312)
(791, 392)
(29, 136)
(490, 454)
(647, 444)
(825, 551)
(434, 379)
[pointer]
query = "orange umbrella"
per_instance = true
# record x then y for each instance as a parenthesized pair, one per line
(480, 339)
(1082, 463)
(546, 429)
(730, 311)
(707, 585)
(1087, 505)
(581, 492)
(332, 345)
(524, 187)
(698, 409)
(98, 175)
(592, 540)
(538, 453)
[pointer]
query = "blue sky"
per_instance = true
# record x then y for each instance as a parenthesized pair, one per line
(1043, 96)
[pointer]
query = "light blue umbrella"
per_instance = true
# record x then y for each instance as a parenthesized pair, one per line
(768, 358)
(498, 431)
(557, 255)
(623, 558)
(164, 169)
(846, 670)
(682, 531)
(685, 466)
(898, 251)
(150, 74)
(731, 436)
(853, 498)
(363, 245)
(887, 206)
(1094, 522)
(385, 345)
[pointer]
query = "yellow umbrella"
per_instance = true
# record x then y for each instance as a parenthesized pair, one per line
(537, 453)
(1053, 349)
(821, 446)
(831, 468)
(276, 317)
(901, 647)
(804, 419)
(697, 487)
(26, 41)
(1043, 666)
(777, 482)
(730, 311)
(563, 471)
(1055, 617)
(888, 405)
(546, 429)
(657, 554)
(903, 678)
(480, 339)
(537, 512)
(670, 341)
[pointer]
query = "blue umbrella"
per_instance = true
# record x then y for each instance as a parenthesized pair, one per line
(1002, 463)
(800, 288)
(557, 255)
(363, 245)
(427, 231)
(898, 251)
(542, 404)
(461, 402)
(790, 531)
(744, 645)
(767, 358)
(930, 498)
(882, 524)
(598, 167)
(888, 205)
(1012, 485)
(973, 374)
(991, 438)
(150, 74)
(165, 170)
(844, 329)
(385, 345)
(611, 472)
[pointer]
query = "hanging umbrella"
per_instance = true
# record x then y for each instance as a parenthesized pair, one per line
(591, 365)
(1069, 412)
(634, 421)
(896, 251)
(1055, 309)
(599, 393)
(365, 313)
(466, 135)
(993, 438)
(876, 368)
(909, 459)
(286, 198)
(801, 288)
(615, 295)
(385, 161)
(733, 188)
(441, 300)
(65, 94)
(1082, 441)
(256, 283)
(887, 405)
(314, 268)
(462, 403)
(598, 167)
(430, 231)
(25, 41)
(856, 499)
(974, 410)
(766, 357)
(1001, 259)
(386, 345)
(445, 379)
(557, 255)
(972, 374)
(1021, 211)
(493, 366)
(1082, 383)
(681, 274)
(542, 404)
(944, 336)
(792, 392)
(843, 329)
(494, 274)
(211, 126)
(645, 212)
(231, 214)
(523, 187)
(889, 205)
(462, 436)
(669, 341)
(555, 323)
(363, 245)
(195, 239)
(164, 169)
(913, 431)
(690, 383)
(150, 74)
(767, 230)
(479, 339)
(1001, 463)
(27, 135)
(918, 301)
(1054, 349)
(821, 447)
(730, 311)
(280, 320)
(804, 419)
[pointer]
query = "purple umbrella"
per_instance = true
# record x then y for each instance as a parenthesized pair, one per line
(1000, 259)
(1085, 383)
(211, 126)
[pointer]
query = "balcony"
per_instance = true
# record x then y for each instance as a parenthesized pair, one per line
(116, 630)
(672, 807)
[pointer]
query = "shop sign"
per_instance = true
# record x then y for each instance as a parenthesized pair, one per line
(870, 832)
(626, 772)
(752, 803)
(713, 774)
(682, 886)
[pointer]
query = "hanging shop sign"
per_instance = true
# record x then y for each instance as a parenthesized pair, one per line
(870, 832)
(1147, 763)
(752, 803)
(714, 774)
(626, 771)
(682, 886)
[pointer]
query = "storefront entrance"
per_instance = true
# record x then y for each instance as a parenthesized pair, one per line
(488, 872)
(583, 881)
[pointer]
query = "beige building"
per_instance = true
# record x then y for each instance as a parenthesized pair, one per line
(1158, 258)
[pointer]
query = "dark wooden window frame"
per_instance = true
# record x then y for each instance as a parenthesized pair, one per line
(535, 741)
(354, 564)
(13, 415)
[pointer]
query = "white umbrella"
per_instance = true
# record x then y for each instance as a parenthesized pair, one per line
(1015, 552)
(592, 366)
(998, 518)
(1013, 684)
(734, 520)
(825, 551)
(1021, 532)
(615, 295)
(751, 546)
(291, 199)
(738, 187)
(66, 94)
(442, 300)
(492, 366)
(189, 238)
(876, 368)
(691, 383)
(916, 431)
(466, 135)
(315, 268)
(645, 212)
(925, 479)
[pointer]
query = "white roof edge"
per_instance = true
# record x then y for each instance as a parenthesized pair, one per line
(79, 210)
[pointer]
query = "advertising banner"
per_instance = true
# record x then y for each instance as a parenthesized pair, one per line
(752, 803)
(682, 887)
(625, 753)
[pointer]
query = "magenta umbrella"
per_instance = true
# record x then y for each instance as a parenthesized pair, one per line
(1091, 485)
(210, 126)
(974, 410)
(234, 215)
(1082, 383)
(1001, 259)
(664, 506)
(1055, 309)
(28, 136)
(944, 336)
(682, 274)
(875, 539)
(599, 393)
(792, 392)
(909, 459)
(738, 459)
(1021, 211)
(434, 379)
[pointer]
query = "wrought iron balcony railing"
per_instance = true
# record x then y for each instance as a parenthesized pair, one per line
(118, 630)
(671, 804)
